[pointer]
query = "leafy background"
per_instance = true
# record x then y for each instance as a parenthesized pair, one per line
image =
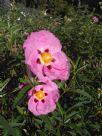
(79, 110)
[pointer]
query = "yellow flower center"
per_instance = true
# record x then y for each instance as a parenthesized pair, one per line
(40, 95)
(46, 58)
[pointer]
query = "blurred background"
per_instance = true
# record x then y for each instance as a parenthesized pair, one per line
(59, 6)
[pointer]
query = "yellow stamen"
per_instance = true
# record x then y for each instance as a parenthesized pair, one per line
(40, 95)
(46, 58)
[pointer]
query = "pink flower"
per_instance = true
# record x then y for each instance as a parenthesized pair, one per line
(21, 85)
(44, 56)
(95, 19)
(43, 98)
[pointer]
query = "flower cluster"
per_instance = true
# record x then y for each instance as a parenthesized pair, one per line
(95, 19)
(46, 60)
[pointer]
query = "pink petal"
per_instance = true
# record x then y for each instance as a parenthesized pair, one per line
(36, 68)
(32, 106)
(60, 60)
(46, 107)
(57, 74)
(48, 82)
(30, 92)
(29, 55)
(42, 40)
(52, 90)
(60, 68)
(55, 95)
(95, 19)
(21, 85)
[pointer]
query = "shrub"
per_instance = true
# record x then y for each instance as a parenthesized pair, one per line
(79, 111)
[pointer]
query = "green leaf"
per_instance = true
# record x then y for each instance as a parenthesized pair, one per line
(69, 116)
(20, 95)
(21, 110)
(61, 84)
(58, 133)
(7, 129)
(3, 85)
(60, 109)
(47, 121)
(77, 105)
(84, 93)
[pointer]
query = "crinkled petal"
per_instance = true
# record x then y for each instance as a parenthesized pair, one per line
(52, 89)
(46, 107)
(36, 68)
(60, 69)
(42, 40)
(32, 106)
(56, 74)
(30, 92)
(55, 95)
(49, 83)
(60, 60)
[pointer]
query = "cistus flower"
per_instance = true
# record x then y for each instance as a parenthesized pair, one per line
(43, 98)
(44, 56)
(95, 19)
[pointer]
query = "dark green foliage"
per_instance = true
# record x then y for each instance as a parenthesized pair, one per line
(21, 95)
(60, 6)
(79, 111)
(9, 128)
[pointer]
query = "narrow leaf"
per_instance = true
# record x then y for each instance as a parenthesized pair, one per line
(20, 95)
